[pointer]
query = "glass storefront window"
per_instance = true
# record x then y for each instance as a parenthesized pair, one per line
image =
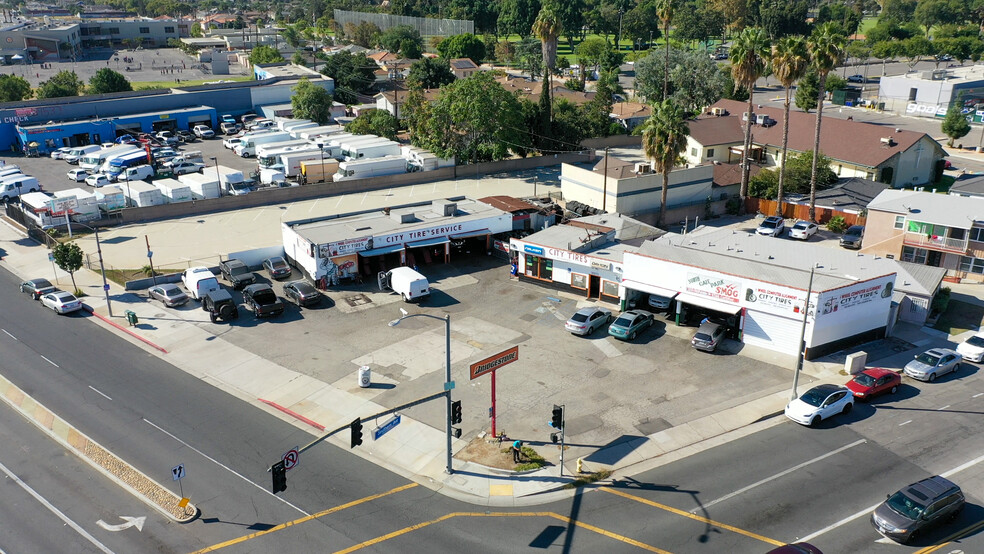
(539, 268)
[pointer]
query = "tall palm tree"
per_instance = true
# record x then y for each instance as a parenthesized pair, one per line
(790, 60)
(749, 55)
(665, 9)
(826, 47)
(548, 28)
(664, 138)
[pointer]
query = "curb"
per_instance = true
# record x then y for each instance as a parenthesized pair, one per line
(105, 319)
(119, 471)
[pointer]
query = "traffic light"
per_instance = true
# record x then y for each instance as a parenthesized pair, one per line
(557, 417)
(356, 432)
(279, 472)
(456, 412)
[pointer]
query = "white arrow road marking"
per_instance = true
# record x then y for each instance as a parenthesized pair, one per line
(886, 540)
(137, 522)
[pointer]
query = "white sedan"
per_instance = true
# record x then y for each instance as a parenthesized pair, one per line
(819, 403)
(803, 230)
(78, 175)
(97, 180)
(61, 302)
(972, 349)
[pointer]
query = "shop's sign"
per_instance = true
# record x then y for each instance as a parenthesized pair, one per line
(347, 246)
(501, 246)
(856, 298)
(535, 250)
(774, 298)
(713, 286)
(925, 110)
(433, 232)
(568, 256)
(607, 266)
(488, 365)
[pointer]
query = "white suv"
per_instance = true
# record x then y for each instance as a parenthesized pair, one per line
(203, 131)
(773, 226)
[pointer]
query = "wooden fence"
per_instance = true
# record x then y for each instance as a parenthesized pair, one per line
(800, 211)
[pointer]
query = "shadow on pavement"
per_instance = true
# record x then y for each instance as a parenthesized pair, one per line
(617, 449)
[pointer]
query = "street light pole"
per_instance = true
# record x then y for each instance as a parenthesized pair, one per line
(102, 267)
(802, 347)
(448, 384)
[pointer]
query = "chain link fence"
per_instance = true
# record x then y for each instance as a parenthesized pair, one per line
(426, 26)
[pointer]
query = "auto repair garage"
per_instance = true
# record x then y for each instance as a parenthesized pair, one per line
(757, 286)
(358, 245)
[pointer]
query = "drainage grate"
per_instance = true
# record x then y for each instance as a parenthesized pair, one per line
(357, 300)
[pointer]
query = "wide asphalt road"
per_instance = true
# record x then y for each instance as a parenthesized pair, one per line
(781, 483)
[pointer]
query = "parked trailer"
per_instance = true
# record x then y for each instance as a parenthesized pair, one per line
(110, 199)
(373, 167)
(371, 149)
(173, 190)
(87, 207)
(141, 194)
(312, 132)
(202, 185)
(289, 123)
(266, 155)
(248, 143)
(290, 162)
(423, 160)
(315, 171)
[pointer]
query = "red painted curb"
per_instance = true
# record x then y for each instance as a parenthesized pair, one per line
(292, 413)
(121, 328)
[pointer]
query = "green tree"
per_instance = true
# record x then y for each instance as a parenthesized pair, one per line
(569, 126)
(517, 16)
(465, 45)
(664, 138)
(798, 170)
(697, 23)
(696, 82)
(955, 124)
(106, 80)
(68, 257)
(474, 119)
(571, 14)
(547, 27)
(826, 49)
(930, 13)
(375, 122)
(847, 17)
(430, 73)
(897, 11)
(364, 34)
(291, 36)
(732, 90)
(14, 88)
(298, 58)
(393, 38)
(196, 30)
(530, 56)
(310, 101)
(353, 74)
(63, 83)
(264, 54)
(790, 59)
(749, 56)
(597, 112)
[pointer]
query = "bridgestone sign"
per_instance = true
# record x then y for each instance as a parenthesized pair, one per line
(488, 365)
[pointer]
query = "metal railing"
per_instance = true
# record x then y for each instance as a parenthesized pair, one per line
(936, 242)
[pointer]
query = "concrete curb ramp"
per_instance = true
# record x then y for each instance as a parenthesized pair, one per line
(125, 475)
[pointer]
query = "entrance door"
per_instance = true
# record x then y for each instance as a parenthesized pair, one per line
(594, 286)
(934, 257)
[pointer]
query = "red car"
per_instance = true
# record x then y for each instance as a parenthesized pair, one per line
(874, 381)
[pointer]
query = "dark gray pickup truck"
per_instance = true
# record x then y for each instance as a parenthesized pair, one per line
(262, 301)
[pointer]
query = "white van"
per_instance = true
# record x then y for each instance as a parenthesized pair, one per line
(199, 281)
(75, 154)
(9, 188)
(9, 170)
(137, 173)
(405, 281)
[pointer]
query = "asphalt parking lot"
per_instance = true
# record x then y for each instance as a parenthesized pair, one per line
(613, 390)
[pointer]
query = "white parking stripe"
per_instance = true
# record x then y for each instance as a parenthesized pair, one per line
(868, 510)
(51, 507)
(607, 348)
(101, 393)
(943, 408)
(906, 422)
(975, 396)
(780, 474)
(49, 361)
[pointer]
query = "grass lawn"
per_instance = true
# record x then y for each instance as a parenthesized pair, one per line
(960, 317)
(866, 24)
(143, 85)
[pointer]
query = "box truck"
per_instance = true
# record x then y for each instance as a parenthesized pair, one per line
(110, 198)
(423, 160)
(232, 181)
(373, 167)
(141, 194)
(266, 154)
(370, 149)
(315, 171)
(202, 185)
(173, 190)
(248, 143)
(311, 132)
(288, 123)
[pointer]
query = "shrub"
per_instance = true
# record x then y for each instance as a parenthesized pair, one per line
(941, 301)
(733, 206)
(837, 224)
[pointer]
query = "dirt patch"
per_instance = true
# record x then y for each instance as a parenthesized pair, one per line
(490, 454)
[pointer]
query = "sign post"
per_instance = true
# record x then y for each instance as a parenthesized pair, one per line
(489, 365)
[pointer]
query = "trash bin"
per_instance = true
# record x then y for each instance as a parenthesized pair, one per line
(365, 376)
(131, 317)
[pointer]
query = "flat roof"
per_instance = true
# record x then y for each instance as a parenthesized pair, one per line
(569, 237)
(782, 262)
(376, 223)
(118, 117)
(960, 212)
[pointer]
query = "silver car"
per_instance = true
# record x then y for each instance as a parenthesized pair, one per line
(169, 294)
(708, 336)
(932, 363)
(588, 320)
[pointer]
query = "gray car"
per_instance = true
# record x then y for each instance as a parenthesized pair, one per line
(708, 336)
(932, 363)
(852, 237)
(588, 320)
(169, 294)
(910, 511)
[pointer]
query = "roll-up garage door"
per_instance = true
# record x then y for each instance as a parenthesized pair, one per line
(772, 331)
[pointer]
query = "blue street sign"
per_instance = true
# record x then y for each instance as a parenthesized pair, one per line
(106, 287)
(150, 254)
(386, 427)
(449, 385)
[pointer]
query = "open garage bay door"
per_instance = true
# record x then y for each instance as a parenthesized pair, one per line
(709, 303)
(772, 331)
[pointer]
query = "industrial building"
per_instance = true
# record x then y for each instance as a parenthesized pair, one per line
(930, 93)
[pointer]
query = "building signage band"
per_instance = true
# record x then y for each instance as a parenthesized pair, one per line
(488, 365)
(856, 298)
(930, 110)
(774, 298)
(607, 266)
(347, 246)
(713, 286)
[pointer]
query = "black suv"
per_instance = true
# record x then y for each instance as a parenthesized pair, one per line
(917, 507)
(262, 301)
(220, 305)
(237, 273)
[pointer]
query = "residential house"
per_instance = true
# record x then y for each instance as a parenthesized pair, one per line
(391, 100)
(856, 149)
(463, 68)
(630, 114)
(937, 230)
(727, 179)
(848, 198)
(968, 186)
(916, 286)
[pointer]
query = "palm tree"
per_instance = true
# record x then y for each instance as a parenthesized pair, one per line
(790, 60)
(664, 138)
(665, 9)
(547, 28)
(826, 47)
(749, 55)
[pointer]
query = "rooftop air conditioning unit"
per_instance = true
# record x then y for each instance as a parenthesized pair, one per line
(888, 141)
(719, 111)
(641, 168)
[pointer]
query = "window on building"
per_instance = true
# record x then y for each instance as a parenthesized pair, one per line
(609, 288)
(168, 29)
(900, 222)
(113, 31)
(972, 265)
(539, 268)
(145, 30)
(912, 94)
(579, 281)
(693, 151)
(958, 234)
(914, 255)
(710, 152)
(977, 234)
(927, 229)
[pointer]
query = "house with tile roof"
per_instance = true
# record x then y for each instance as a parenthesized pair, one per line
(896, 157)
(937, 230)
(630, 114)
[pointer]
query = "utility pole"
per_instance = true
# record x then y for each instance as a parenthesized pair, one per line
(802, 348)
(604, 189)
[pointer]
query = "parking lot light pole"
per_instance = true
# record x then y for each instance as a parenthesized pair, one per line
(448, 385)
(802, 343)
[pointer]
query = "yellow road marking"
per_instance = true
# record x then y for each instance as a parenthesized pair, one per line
(693, 516)
(283, 526)
(965, 531)
(565, 519)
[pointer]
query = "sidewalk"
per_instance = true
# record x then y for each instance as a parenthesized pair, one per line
(412, 449)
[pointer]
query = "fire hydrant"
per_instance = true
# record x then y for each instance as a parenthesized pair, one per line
(580, 465)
